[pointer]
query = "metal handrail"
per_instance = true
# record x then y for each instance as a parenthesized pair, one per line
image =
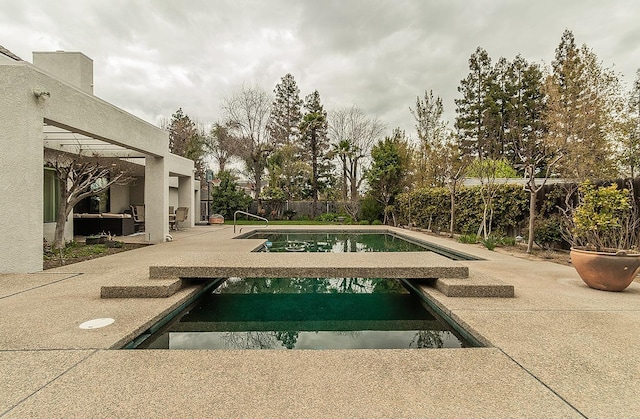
(250, 215)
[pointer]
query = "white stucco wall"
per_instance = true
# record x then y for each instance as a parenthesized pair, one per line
(22, 115)
(21, 179)
(73, 67)
(119, 198)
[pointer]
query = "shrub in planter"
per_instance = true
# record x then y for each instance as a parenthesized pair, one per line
(604, 231)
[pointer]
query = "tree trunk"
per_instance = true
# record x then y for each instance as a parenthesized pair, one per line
(453, 211)
(314, 172)
(532, 217)
(61, 218)
(61, 221)
(344, 180)
(354, 180)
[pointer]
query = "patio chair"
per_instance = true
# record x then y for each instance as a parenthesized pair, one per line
(181, 216)
(137, 211)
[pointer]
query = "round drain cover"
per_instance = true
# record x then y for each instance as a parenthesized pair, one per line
(96, 323)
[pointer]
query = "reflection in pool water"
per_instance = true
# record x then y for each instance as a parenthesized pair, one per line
(307, 313)
(336, 242)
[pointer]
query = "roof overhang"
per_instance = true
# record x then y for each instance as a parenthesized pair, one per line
(73, 141)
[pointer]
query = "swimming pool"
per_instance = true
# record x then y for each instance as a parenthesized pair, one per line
(306, 313)
(347, 242)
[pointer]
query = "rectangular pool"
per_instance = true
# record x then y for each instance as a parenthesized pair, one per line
(345, 242)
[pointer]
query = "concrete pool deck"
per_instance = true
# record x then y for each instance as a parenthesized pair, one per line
(557, 349)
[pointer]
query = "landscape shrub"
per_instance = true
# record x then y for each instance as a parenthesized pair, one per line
(490, 242)
(371, 209)
(468, 238)
(547, 232)
(430, 208)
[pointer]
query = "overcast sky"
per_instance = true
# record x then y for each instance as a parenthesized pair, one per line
(152, 57)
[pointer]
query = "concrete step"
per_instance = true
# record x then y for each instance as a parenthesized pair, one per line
(146, 289)
(476, 285)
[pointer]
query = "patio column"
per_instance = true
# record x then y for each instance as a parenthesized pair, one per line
(21, 172)
(186, 196)
(156, 199)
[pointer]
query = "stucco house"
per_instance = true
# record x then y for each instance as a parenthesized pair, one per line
(49, 104)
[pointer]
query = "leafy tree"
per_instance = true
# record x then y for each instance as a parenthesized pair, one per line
(352, 135)
(186, 140)
(314, 130)
(390, 160)
(488, 171)
(221, 144)
(432, 133)
(226, 197)
(247, 116)
(274, 197)
(80, 177)
(454, 165)
(287, 171)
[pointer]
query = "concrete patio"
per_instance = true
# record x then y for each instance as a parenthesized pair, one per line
(557, 349)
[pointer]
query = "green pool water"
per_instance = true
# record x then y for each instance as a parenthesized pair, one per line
(336, 242)
(306, 313)
(346, 242)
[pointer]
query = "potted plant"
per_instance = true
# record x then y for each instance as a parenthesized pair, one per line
(604, 235)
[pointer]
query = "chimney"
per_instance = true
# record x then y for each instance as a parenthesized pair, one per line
(73, 67)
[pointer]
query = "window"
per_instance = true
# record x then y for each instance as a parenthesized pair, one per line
(97, 203)
(51, 195)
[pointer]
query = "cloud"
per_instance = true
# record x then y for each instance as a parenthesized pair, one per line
(152, 57)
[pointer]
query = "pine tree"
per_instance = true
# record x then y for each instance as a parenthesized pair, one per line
(314, 130)
(471, 109)
(501, 89)
(284, 124)
(630, 156)
(186, 140)
(285, 164)
(584, 99)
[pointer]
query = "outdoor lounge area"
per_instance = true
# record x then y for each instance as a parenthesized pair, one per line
(556, 349)
(114, 224)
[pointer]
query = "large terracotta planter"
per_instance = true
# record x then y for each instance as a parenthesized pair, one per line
(606, 271)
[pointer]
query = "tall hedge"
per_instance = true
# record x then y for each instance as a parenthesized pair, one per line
(430, 208)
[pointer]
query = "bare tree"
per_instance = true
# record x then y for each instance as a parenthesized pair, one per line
(454, 167)
(353, 134)
(247, 116)
(221, 145)
(80, 177)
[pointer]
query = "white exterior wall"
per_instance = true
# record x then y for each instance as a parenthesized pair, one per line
(21, 171)
(22, 116)
(73, 67)
(119, 198)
